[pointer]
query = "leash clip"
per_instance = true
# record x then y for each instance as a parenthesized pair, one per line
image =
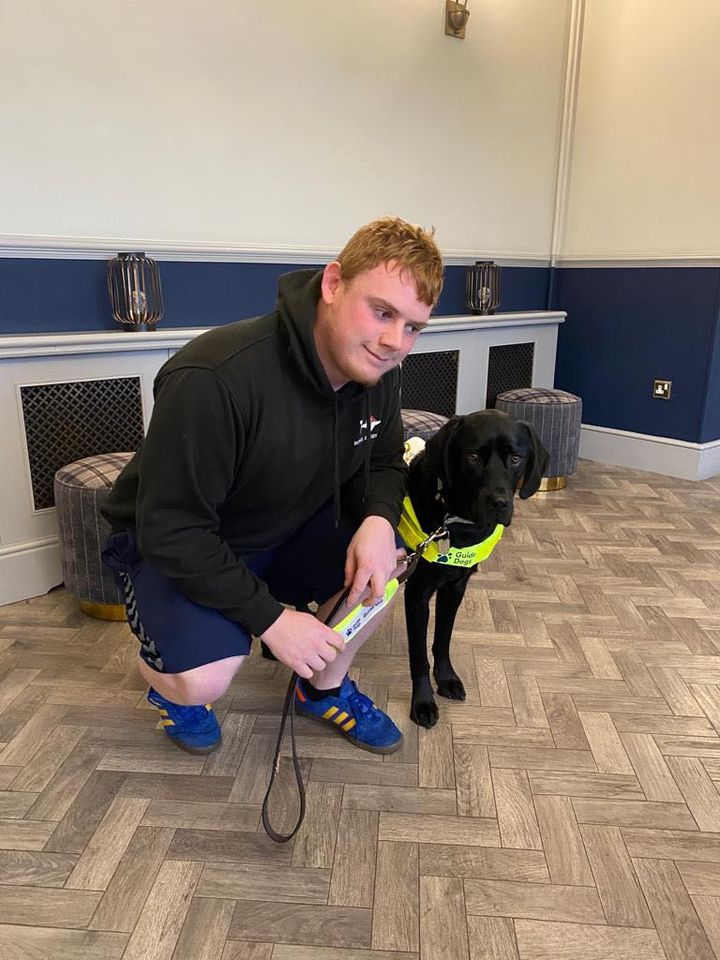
(412, 559)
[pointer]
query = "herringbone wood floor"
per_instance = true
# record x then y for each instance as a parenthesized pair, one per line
(568, 809)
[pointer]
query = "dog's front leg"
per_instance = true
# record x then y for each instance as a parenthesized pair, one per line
(423, 709)
(448, 601)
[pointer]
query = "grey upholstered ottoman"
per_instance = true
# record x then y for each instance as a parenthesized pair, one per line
(80, 490)
(556, 416)
(421, 423)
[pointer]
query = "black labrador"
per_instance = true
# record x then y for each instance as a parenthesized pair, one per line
(464, 479)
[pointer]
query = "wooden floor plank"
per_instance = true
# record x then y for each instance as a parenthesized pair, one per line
(21, 942)
(205, 930)
(443, 926)
(131, 883)
(158, 928)
(700, 793)
(571, 941)
(539, 901)
(475, 797)
(617, 885)
(676, 920)
(485, 863)
(44, 907)
(105, 850)
(562, 842)
(436, 765)
(605, 743)
(337, 927)
(395, 924)
(353, 873)
(416, 828)
(492, 938)
(517, 819)
(650, 767)
(254, 881)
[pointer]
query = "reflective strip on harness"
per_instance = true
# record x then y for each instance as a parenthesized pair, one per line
(412, 533)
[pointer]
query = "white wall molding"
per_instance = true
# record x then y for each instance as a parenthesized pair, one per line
(576, 21)
(641, 451)
(641, 260)
(29, 569)
(172, 338)
(103, 248)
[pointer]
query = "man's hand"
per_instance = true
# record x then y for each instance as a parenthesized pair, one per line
(302, 643)
(372, 558)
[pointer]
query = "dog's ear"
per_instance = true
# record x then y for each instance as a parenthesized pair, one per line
(536, 460)
(437, 449)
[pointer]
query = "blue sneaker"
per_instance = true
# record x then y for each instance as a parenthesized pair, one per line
(194, 729)
(354, 715)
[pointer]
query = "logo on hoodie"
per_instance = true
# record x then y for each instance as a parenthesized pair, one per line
(374, 424)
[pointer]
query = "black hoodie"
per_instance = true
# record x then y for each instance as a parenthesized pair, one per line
(247, 440)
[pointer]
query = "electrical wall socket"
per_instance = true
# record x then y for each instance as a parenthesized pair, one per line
(661, 389)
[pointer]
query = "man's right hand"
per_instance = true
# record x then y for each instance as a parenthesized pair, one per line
(302, 642)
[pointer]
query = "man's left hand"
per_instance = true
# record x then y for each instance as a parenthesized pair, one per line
(372, 558)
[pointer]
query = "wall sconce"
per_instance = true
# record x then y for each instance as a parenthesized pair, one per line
(135, 291)
(456, 16)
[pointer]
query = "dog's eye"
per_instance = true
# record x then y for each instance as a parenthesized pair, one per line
(473, 457)
(516, 459)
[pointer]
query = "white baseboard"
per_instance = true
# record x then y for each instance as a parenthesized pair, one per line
(29, 569)
(674, 458)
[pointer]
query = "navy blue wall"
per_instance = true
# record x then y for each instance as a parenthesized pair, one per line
(43, 296)
(711, 421)
(627, 326)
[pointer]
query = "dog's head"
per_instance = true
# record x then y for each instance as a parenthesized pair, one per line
(481, 459)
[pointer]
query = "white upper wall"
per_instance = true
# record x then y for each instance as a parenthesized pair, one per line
(645, 179)
(283, 123)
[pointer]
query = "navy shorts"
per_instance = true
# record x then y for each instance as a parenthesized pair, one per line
(176, 634)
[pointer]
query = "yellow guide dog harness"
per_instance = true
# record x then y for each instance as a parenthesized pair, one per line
(412, 533)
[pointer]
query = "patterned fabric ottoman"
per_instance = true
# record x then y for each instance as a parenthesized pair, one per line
(80, 490)
(421, 423)
(556, 416)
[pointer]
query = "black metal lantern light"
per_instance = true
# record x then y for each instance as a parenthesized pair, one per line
(482, 288)
(135, 291)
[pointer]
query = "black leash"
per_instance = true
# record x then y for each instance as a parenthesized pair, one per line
(411, 562)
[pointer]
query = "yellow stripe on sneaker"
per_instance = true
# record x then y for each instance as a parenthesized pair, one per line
(349, 725)
(163, 713)
(330, 713)
(341, 718)
(168, 723)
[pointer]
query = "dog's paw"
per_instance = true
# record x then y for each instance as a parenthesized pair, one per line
(451, 687)
(424, 713)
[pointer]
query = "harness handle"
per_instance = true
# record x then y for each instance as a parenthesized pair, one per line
(411, 561)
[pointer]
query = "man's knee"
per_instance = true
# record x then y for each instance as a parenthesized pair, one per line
(203, 684)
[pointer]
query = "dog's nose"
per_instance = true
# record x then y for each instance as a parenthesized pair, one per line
(501, 503)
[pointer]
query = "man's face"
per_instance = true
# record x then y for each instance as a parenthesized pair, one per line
(368, 325)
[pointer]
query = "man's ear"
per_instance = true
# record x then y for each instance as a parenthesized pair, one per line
(437, 449)
(536, 461)
(331, 280)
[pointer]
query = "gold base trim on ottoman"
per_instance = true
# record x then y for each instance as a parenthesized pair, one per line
(103, 611)
(552, 483)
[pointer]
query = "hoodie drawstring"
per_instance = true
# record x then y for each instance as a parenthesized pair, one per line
(336, 465)
(368, 432)
(336, 454)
